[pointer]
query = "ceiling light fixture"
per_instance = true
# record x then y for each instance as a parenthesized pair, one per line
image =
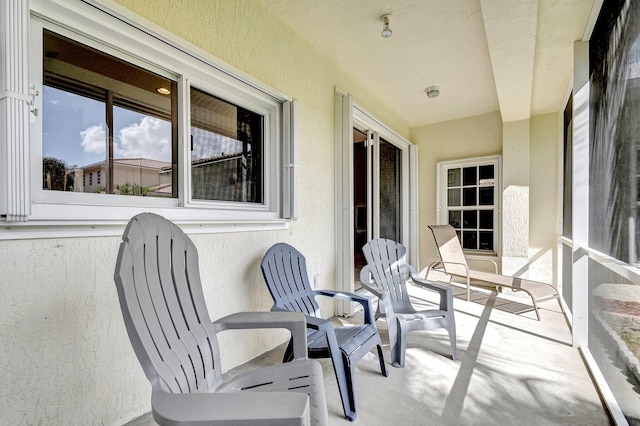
(432, 91)
(163, 91)
(386, 31)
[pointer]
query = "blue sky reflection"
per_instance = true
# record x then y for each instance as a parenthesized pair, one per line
(75, 131)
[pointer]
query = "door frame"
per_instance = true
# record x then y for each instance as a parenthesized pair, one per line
(348, 116)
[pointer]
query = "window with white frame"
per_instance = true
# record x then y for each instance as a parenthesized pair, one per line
(102, 112)
(469, 195)
(125, 119)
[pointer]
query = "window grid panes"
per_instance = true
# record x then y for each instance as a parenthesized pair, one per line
(471, 204)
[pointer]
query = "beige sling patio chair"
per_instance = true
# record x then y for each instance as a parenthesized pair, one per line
(385, 275)
(158, 282)
(453, 262)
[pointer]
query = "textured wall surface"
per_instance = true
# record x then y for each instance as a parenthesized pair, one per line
(65, 358)
(515, 196)
(470, 137)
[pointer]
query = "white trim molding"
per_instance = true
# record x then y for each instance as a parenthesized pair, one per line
(15, 109)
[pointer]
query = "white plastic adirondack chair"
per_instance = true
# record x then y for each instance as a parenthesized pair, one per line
(158, 282)
(386, 275)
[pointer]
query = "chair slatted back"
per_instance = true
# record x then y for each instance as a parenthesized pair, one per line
(386, 261)
(449, 249)
(158, 282)
(285, 271)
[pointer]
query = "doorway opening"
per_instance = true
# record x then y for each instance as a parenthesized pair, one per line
(377, 181)
(377, 193)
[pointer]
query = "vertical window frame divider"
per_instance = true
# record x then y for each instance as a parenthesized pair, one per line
(184, 141)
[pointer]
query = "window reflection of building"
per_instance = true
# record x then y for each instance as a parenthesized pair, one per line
(144, 172)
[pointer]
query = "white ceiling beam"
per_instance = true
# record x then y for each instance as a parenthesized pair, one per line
(511, 28)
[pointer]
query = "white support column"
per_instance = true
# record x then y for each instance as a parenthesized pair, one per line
(515, 196)
(15, 100)
(580, 188)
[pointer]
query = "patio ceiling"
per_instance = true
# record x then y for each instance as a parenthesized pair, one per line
(487, 55)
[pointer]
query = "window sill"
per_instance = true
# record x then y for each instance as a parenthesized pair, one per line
(473, 254)
(88, 228)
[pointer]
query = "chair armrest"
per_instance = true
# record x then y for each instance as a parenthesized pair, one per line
(246, 408)
(442, 262)
(446, 294)
(362, 300)
(433, 265)
(312, 322)
(292, 321)
(387, 307)
(367, 281)
(318, 323)
(495, 265)
(384, 302)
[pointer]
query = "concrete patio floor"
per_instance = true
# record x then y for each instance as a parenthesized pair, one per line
(512, 370)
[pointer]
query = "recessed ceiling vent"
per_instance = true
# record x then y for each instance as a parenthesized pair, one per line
(432, 91)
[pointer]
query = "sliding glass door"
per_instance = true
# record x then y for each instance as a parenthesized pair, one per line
(376, 179)
(390, 178)
(377, 192)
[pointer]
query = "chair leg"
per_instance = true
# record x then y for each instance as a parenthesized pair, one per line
(451, 329)
(535, 307)
(288, 353)
(344, 377)
(561, 305)
(383, 367)
(349, 367)
(393, 328)
(401, 347)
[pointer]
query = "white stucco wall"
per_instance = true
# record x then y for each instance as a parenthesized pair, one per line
(65, 358)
